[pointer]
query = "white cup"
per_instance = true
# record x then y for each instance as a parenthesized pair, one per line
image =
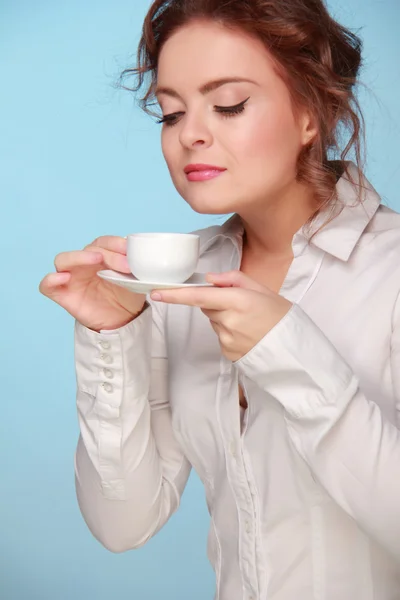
(163, 257)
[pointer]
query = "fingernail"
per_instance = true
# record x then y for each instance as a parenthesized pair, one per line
(155, 296)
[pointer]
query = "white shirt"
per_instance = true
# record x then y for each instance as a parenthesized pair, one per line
(304, 494)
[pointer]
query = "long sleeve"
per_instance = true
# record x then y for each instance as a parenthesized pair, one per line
(129, 470)
(349, 445)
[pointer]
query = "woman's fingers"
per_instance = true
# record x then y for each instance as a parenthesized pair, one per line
(106, 250)
(52, 282)
(92, 255)
(65, 261)
(113, 243)
(112, 260)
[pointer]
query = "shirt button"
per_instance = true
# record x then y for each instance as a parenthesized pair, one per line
(106, 358)
(104, 344)
(247, 526)
(107, 387)
(108, 373)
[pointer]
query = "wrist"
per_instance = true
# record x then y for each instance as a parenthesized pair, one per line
(121, 324)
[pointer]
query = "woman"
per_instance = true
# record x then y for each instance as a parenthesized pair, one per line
(280, 385)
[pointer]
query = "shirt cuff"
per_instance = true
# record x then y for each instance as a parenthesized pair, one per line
(297, 365)
(107, 362)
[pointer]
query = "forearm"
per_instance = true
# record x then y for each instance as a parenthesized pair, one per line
(351, 448)
(126, 488)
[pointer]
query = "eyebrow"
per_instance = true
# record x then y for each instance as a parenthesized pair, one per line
(206, 88)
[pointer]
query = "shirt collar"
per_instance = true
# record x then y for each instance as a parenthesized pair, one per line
(349, 218)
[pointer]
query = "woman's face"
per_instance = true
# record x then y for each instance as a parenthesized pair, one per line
(257, 143)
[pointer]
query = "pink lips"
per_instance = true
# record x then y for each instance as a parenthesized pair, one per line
(200, 172)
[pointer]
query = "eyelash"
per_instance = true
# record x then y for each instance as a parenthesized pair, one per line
(226, 111)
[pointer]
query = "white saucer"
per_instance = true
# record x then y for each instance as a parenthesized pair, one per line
(144, 287)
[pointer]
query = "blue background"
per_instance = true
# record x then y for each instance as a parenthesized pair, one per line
(78, 159)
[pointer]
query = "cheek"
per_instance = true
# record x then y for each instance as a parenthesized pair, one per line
(267, 152)
(273, 137)
(166, 147)
(170, 143)
(172, 153)
(169, 150)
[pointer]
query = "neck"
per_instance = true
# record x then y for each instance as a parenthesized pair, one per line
(269, 229)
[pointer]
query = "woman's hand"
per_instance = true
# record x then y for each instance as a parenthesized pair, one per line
(95, 303)
(241, 311)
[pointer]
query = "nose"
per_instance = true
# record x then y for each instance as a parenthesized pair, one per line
(194, 132)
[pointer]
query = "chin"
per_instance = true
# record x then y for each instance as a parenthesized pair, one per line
(208, 197)
(207, 205)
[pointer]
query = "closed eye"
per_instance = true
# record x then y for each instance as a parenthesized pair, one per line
(227, 111)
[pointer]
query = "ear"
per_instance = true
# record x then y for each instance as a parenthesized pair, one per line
(308, 128)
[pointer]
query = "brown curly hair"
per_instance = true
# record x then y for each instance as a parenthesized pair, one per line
(318, 59)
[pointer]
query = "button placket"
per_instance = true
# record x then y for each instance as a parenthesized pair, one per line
(237, 476)
(108, 410)
(107, 387)
(106, 358)
(240, 482)
(108, 373)
(232, 449)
